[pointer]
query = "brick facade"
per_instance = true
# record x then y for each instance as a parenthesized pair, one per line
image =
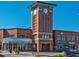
(4, 33)
(66, 37)
(42, 25)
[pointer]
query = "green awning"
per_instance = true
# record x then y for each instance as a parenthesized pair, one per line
(17, 40)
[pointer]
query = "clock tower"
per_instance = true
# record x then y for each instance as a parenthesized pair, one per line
(42, 14)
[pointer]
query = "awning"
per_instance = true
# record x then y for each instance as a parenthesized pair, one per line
(17, 40)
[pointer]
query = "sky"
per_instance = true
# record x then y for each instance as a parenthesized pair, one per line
(18, 15)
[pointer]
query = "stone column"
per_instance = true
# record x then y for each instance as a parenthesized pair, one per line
(38, 46)
(51, 45)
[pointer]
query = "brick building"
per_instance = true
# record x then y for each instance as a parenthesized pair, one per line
(10, 37)
(41, 37)
(62, 38)
(15, 32)
(42, 25)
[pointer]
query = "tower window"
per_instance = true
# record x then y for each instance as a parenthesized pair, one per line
(43, 36)
(47, 36)
(35, 12)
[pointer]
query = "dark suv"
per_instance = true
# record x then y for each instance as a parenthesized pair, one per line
(73, 53)
(70, 52)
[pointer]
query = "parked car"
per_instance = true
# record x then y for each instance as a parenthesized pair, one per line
(59, 50)
(72, 53)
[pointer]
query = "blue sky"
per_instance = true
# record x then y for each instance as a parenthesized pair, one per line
(66, 16)
(17, 15)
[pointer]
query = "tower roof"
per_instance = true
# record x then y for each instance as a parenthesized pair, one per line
(41, 3)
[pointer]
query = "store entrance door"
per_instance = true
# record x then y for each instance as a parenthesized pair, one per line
(45, 47)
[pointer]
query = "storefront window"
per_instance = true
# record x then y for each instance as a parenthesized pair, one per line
(60, 46)
(15, 43)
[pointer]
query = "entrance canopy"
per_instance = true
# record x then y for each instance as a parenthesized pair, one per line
(17, 40)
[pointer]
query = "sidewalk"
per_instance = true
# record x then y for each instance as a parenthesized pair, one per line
(22, 54)
(30, 54)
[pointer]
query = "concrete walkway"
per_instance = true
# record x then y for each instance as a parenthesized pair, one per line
(22, 54)
(29, 54)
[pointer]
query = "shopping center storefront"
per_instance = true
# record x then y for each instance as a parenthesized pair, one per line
(23, 44)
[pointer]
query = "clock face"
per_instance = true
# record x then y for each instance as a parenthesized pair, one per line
(45, 11)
